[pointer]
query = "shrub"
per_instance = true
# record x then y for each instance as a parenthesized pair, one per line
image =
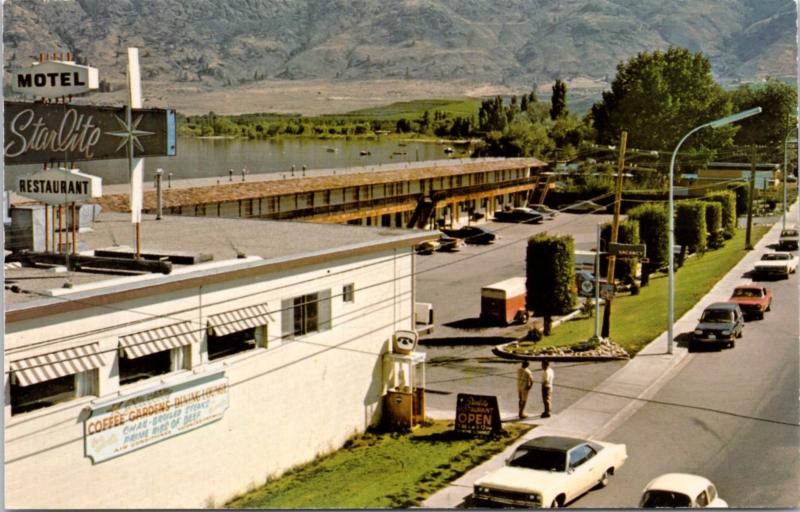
(550, 273)
(653, 232)
(690, 225)
(714, 224)
(727, 198)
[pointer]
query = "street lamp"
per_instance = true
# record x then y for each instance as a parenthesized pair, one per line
(786, 142)
(671, 214)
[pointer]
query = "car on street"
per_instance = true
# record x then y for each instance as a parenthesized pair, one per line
(545, 210)
(427, 247)
(449, 244)
(788, 239)
(519, 214)
(752, 299)
(780, 264)
(550, 471)
(583, 207)
(720, 323)
(471, 234)
(681, 490)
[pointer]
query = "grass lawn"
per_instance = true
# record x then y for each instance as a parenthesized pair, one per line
(638, 319)
(381, 470)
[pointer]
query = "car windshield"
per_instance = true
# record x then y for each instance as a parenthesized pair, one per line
(537, 458)
(717, 316)
(747, 292)
(666, 499)
(789, 232)
(775, 256)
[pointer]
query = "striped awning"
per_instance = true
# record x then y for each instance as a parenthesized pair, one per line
(239, 320)
(33, 370)
(157, 340)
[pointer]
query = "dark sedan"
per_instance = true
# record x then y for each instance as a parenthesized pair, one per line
(471, 234)
(721, 323)
(521, 214)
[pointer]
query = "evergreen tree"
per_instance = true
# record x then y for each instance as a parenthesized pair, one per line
(559, 100)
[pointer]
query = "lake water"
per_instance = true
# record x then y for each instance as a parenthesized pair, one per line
(216, 157)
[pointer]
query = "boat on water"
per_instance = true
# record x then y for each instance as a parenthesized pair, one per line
(364, 152)
(331, 150)
(448, 150)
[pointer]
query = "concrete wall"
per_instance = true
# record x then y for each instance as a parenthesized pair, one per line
(288, 403)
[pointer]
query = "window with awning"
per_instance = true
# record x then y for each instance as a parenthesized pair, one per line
(156, 351)
(237, 331)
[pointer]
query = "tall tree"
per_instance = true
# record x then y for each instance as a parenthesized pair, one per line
(558, 101)
(658, 97)
(778, 102)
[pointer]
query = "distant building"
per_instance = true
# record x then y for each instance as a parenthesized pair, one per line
(721, 175)
(259, 351)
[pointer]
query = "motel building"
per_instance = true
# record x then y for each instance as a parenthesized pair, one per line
(248, 347)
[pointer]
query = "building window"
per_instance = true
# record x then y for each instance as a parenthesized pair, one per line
(349, 292)
(235, 342)
(306, 314)
(51, 392)
(144, 367)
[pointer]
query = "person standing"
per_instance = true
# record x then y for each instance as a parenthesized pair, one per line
(524, 385)
(547, 388)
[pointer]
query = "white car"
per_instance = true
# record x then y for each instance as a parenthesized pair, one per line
(789, 239)
(776, 264)
(550, 471)
(681, 490)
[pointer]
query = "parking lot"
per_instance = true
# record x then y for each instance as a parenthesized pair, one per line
(459, 349)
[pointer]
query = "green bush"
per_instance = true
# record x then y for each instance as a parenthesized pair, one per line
(714, 224)
(727, 198)
(628, 233)
(550, 276)
(690, 225)
(653, 232)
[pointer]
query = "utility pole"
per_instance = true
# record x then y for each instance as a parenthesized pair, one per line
(747, 245)
(614, 233)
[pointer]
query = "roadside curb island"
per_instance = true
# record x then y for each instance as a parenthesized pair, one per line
(607, 406)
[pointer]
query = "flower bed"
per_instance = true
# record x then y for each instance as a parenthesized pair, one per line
(592, 350)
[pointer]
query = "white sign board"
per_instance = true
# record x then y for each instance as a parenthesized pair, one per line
(55, 79)
(57, 186)
(135, 422)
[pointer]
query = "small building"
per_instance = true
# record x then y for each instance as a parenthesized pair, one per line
(262, 348)
(720, 176)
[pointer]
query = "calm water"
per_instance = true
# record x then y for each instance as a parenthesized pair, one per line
(215, 157)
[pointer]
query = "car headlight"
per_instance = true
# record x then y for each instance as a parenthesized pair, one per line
(481, 490)
(698, 331)
(535, 498)
(726, 333)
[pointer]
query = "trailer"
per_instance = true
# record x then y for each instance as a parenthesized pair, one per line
(504, 302)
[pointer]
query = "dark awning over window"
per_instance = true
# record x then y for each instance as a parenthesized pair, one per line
(33, 370)
(239, 320)
(157, 340)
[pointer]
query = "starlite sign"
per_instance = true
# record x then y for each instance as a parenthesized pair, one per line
(57, 186)
(45, 133)
(55, 79)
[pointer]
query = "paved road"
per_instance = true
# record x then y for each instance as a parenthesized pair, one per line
(731, 416)
(459, 352)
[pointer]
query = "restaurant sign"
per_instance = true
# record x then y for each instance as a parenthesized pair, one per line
(44, 133)
(477, 414)
(55, 79)
(57, 186)
(125, 425)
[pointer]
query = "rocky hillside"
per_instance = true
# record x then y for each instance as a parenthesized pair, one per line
(206, 45)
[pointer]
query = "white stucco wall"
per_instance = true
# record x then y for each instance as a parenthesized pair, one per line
(287, 403)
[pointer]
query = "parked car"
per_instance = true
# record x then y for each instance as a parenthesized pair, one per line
(583, 207)
(449, 244)
(550, 471)
(471, 234)
(519, 214)
(721, 322)
(545, 210)
(788, 239)
(776, 264)
(752, 299)
(681, 490)
(427, 247)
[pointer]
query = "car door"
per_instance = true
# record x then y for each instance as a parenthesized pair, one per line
(583, 475)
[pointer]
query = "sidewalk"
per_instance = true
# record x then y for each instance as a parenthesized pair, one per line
(615, 400)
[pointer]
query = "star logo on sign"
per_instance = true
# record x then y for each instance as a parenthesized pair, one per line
(131, 133)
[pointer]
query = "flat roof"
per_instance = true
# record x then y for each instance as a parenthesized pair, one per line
(258, 186)
(267, 244)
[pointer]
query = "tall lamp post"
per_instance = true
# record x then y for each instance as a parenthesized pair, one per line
(671, 214)
(786, 142)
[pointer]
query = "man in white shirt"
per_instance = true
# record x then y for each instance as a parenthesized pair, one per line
(524, 384)
(547, 388)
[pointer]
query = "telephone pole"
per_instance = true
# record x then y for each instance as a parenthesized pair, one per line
(614, 233)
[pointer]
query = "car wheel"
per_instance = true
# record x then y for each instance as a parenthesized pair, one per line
(769, 306)
(555, 504)
(604, 480)
(731, 344)
(739, 334)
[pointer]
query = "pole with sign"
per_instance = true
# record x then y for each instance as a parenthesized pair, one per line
(135, 165)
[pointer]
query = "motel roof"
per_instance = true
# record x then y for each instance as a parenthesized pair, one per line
(256, 187)
(267, 246)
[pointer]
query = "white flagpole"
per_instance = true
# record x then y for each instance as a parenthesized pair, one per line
(136, 165)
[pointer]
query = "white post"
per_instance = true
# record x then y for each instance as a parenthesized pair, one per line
(597, 287)
(135, 165)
